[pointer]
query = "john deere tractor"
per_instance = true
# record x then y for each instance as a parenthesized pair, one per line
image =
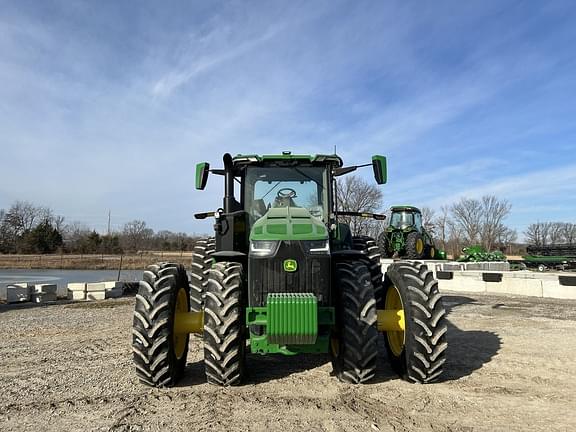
(282, 276)
(405, 237)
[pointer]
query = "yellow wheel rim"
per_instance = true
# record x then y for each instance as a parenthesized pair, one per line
(419, 246)
(179, 339)
(395, 338)
(432, 252)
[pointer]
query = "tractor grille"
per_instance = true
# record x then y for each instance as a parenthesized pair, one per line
(267, 275)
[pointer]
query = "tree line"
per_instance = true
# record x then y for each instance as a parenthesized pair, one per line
(546, 233)
(467, 222)
(26, 228)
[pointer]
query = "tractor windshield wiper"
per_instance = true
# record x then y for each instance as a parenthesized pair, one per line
(308, 177)
(271, 189)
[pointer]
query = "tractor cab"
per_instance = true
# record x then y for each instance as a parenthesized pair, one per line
(406, 217)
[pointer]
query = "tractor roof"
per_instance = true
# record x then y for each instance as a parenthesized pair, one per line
(287, 156)
(406, 208)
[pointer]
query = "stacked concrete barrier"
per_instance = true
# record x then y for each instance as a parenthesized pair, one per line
(95, 291)
(488, 278)
(113, 289)
(43, 293)
(77, 291)
(17, 293)
(516, 283)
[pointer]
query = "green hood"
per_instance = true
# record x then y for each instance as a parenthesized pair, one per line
(288, 223)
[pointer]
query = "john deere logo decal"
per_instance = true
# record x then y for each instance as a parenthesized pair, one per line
(290, 265)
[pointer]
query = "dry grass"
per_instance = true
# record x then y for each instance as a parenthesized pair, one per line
(91, 262)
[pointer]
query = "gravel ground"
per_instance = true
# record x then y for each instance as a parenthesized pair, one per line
(510, 367)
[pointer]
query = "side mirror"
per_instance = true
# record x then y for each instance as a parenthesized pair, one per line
(202, 170)
(379, 167)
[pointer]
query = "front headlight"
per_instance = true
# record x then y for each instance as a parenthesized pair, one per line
(314, 247)
(263, 248)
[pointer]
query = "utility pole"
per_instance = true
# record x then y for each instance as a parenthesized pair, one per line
(108, 223)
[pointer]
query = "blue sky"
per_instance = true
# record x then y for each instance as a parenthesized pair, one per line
(110, 104)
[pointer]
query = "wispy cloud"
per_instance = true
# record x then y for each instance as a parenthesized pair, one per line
(202, 56)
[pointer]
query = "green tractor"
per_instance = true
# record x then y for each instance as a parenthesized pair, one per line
(282, 276)
(405, 236)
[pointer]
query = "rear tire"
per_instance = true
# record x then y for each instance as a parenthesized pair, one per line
(414, 245)
(355, 352)
(201, 263)
(159, 354)
(224, 325)
(420, 354)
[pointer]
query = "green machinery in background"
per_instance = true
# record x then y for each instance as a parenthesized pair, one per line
(551, 256)
(406, 237)
(282, 276)
(478, 253)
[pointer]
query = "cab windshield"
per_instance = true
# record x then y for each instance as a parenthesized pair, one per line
(402, 219)
(270, 187)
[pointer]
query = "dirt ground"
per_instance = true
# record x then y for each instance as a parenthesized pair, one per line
(510, 368)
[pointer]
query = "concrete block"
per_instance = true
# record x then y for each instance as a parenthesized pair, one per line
(526, 287)
(17, 294)
(468, 275)
(99, 286)
(77, 286)
(46, 288)
(40, 297)
(462, 284)
(487, 266)
(113, 285)
(95, 295)
(452, 267)
(114, 293)
(76, 295)
(555, 290)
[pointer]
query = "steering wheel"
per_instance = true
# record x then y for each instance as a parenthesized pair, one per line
(286, 193)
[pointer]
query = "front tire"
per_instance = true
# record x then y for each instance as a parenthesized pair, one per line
(418, 353)
(159, 353)
(224, 328)
(355, 348)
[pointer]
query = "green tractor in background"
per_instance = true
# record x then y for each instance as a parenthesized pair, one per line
(282, 276)
(405, 236)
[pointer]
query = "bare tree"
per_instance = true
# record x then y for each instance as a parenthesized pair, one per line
(442, 225)
(556, 232)
(481, 221)
(467, 214)
(135, 234)
(23, 216)
(569, 233)
(534, 234)
(428, 218)
(538, 234)
(494, 211)
(357, 195)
